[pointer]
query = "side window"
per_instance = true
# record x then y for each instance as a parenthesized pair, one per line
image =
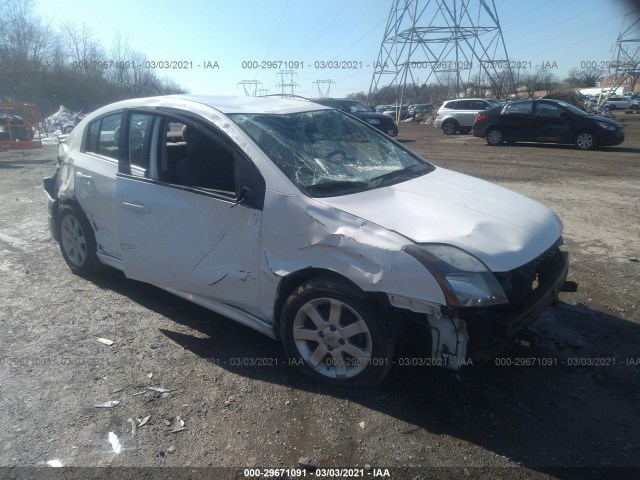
(522, 108)
(463, 105)
(140, 128)
(93, 134)
(102, 136)
(190, 157)
(548, 110)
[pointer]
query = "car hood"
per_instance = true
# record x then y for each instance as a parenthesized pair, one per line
(502, 228)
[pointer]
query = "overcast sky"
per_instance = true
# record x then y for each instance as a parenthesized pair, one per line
(566, 33)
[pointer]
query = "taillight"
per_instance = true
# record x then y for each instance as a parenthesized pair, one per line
(480, 116)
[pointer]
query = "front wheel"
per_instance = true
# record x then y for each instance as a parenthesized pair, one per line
(77, 242)
(333, 334)
(494, 137)
(585, 141)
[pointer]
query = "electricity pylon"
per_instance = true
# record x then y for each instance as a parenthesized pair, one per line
(323, 91)
(291, 85)
(453, 43)
(626, 54)
(250, 87)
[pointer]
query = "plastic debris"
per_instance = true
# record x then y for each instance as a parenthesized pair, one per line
(106, 341)
(115, 442)
(158, 389)
(107, 404)
(136, 394)
(149, 375)
(134, 427)
(177, 425)
(305, 462)
(55, 463)
(144, 421)
(361, 424)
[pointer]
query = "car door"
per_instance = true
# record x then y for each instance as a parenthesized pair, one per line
(95, 167)
(201, 239)
(516, 120)
(551, 123)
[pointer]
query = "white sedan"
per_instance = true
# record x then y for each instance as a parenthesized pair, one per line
(308, 225)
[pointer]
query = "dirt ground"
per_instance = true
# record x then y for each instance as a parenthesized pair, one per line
(570, 400)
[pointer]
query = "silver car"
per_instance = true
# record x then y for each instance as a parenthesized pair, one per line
(283, 215)
(458, 115)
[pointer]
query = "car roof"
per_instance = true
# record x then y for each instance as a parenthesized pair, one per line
(225, 104)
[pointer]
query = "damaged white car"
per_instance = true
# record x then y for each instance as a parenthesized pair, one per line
(308, 225)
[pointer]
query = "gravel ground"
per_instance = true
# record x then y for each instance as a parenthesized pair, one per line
(570, 400)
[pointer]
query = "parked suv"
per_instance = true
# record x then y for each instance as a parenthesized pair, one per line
(359, 110)
(614, 103)
(458, 115)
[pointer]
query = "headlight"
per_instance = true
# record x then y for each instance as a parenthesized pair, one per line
(465, 280)
(607, 126)
(373, 121)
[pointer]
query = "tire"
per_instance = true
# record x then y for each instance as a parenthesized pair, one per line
(634, 107)
(77, 241)
(585, 140)
(67, 129)
(494, 137)
(331, 332)
(449, 127)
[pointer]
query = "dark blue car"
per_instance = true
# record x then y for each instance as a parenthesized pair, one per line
(547, 121)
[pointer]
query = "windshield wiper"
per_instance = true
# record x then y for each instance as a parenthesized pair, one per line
(406, 172)
(338, 185)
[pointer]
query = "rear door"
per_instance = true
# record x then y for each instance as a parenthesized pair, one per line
(517, 120)
(95, 168)
(197, 237)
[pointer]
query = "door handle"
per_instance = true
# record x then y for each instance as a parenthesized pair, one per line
(83, 176)
(135, 207)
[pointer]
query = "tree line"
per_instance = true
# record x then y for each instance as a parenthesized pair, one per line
(48, 65)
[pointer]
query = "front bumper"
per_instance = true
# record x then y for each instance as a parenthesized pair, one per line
(491, 330)
(609, 139)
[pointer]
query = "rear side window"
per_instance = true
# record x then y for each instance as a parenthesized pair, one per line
(103, 136)
(518, 108)
(464, 105)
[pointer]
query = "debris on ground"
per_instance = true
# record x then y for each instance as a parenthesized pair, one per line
(177, 425)
(158, 389)
(107, 404)
(106, 341)
(115, 442)
(134, 427)
(144, 421)
(305, 462)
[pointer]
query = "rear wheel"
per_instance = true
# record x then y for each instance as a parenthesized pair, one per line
(494, 137)
(449, 127)
(332, 333)
(585, 141)
(77, 242)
